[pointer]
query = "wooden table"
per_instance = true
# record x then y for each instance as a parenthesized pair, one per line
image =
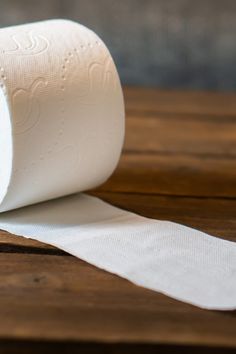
(178, 163)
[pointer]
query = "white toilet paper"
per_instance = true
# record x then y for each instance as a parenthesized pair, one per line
(62, 129)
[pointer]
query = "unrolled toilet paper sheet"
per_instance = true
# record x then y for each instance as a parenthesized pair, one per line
(62, 115)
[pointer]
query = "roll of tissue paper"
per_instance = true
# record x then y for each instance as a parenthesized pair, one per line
(61, 132)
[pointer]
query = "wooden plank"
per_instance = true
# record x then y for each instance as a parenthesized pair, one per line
(10, 243)
(179, 174)
(47, 347)
(172, 101)
(61, 298)
(178, 134)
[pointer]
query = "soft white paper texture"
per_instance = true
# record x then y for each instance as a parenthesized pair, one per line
(62, 129)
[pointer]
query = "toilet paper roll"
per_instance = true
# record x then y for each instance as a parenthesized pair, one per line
(62, 112)
(61, 132)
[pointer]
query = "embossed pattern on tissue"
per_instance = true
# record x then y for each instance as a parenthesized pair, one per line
(106, 74)
(37, 44)
(99, 75)
(30, 117)
(97, 78)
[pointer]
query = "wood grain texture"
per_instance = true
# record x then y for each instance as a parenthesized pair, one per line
(173, 134)
(192, 102)
(174, 175)
(178, 164)
(42, 294)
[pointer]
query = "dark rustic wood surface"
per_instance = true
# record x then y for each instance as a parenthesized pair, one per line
(178, 163)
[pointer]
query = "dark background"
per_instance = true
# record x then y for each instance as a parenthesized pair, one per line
(162, 43)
